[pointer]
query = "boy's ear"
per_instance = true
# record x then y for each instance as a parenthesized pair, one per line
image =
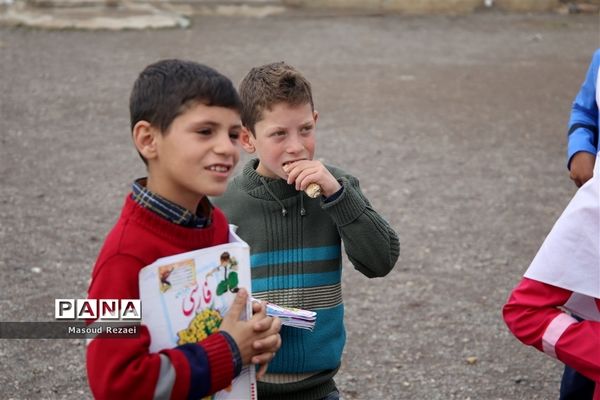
(315, 115)
(247, 140)
(144, 139)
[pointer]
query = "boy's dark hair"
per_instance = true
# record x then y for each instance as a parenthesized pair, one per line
(270, 84)
(165, 89)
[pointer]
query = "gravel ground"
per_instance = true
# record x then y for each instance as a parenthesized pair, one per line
(454, 125)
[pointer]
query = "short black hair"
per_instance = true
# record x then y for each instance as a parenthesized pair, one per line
(164, 90)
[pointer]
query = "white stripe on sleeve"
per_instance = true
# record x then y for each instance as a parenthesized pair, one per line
(554, 331)
(166, 379)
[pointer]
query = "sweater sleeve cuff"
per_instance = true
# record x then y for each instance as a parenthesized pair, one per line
(235, 352)
(348, 206)
(220, 360)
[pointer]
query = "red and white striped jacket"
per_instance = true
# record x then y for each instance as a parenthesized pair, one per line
(536, 314)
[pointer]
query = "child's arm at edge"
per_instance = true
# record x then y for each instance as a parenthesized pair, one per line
(531, 314)
(583, 126)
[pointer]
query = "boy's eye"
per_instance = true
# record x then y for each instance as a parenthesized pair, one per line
(278, 133)
(307, 128)
(235, 135)
(204, 131)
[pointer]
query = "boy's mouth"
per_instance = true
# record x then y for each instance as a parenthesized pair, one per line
(288, 163)
(221, 168)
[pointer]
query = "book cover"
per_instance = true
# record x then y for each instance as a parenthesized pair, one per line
(184, 298)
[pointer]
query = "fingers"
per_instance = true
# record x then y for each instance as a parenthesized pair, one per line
(262, 360)
(276, 325)
(304, 172)
(262, 324)
(292, 171)
(586, 178)
(306, 177)
(262, 370)
(582, 167)
(259, 321)
(580, 180)
(272, 324)
(258, 307)
(270, 343)
(238, 306)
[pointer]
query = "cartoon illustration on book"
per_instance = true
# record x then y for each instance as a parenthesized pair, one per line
(230, 277)
(163, 274)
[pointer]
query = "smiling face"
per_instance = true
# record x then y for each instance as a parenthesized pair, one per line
(284, 134)
(196, 155)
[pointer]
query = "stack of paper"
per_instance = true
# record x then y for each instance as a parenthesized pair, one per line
(293, 317)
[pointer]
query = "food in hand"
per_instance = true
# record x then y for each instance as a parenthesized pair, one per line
(313, 190)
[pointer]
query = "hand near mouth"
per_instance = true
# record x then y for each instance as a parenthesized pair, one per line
(304, 173)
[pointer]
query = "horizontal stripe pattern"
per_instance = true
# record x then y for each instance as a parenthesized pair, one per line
(303, 351)
(313, 267)
(285, 378)
(308, 298)
(295, 256)
(297, 280)
(554, 331)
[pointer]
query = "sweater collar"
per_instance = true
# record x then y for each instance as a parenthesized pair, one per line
(169, 210)
(178, 235)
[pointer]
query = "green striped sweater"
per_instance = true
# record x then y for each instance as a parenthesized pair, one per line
(296, 261)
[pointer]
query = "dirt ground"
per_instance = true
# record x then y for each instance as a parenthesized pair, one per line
(456, 127)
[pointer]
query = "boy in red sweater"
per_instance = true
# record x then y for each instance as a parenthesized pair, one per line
(564, 278)
(185, 120)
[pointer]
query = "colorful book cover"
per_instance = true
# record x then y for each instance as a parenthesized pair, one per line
(184, 298)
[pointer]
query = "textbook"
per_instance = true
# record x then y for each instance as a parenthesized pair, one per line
(184, 298)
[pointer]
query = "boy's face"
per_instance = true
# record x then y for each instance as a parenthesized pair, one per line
(196, 156)
(284, 134)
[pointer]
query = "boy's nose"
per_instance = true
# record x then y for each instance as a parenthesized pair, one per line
(294, 145)
(226, 146)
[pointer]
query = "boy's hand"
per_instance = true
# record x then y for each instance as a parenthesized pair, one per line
(582, 167)
(270, 344)
(304, 172)
(258, 338)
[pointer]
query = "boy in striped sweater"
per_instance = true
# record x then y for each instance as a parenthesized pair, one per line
(295, 240)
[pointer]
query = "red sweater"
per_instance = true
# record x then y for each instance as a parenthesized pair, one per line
(124, 368)
(533, 316)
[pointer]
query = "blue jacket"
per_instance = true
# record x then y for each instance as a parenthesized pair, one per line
(583, 124)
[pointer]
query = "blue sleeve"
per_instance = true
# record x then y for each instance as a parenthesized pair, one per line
(199, 370)
(235, 351)
(583, 124)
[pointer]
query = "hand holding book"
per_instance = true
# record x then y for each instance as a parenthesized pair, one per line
(187, 297)
(258, 338)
